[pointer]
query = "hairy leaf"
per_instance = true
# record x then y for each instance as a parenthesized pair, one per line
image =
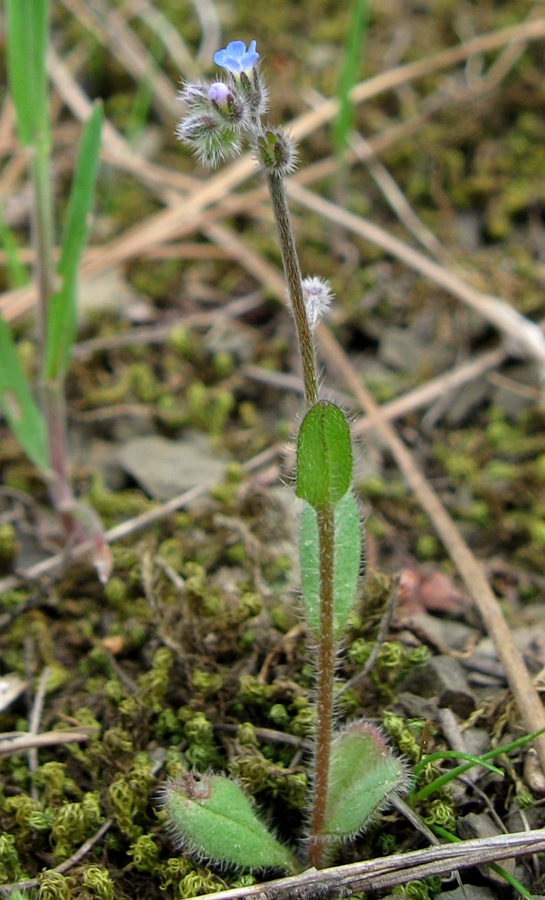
(348, 549)
(212, 816)
(324, 456)
(364, 774)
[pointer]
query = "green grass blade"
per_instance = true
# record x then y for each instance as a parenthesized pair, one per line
(455, 754)
(16, 271)
(459, 770)
(62, 313)
(17, 403)
(144, 95)
(350, 71)
(26, 31)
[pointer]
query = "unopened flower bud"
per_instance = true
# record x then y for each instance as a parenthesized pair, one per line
(219, 93)
(317, 295)
(276, 151)
(195, 94)
(209, 137)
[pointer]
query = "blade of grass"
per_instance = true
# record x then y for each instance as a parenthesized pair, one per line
(18, 405)
(144, 95)
(456, 754)
(26, 29)
(62, 313)
(459, 770)
(350, 72)
(16, 271)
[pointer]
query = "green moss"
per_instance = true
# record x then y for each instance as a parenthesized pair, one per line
(9, 546)
(144, 853)
(74, 823)
(10, 867)
(54, 886)
(98, 881)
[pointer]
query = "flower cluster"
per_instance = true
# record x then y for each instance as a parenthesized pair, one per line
(221, 114)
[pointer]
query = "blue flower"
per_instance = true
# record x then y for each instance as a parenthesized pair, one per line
(235, 58)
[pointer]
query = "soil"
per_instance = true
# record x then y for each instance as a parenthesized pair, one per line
(194, 654)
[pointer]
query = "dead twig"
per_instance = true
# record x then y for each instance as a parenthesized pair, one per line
(523, 335)
(381, 874)
(34, 724)
(17, 742)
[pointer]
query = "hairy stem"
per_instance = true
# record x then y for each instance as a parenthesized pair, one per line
(324, 686)
(292, 271)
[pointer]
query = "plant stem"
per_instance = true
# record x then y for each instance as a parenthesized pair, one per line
(292, 271)
(324, 686)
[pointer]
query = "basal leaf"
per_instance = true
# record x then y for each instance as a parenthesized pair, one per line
(26, 33)
(62, 311)
(364, 774)
(212, 816)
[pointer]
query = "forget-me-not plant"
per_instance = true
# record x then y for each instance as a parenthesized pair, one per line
(354, 772)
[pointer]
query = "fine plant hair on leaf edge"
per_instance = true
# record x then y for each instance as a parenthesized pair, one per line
(307, 522)
(185, 843)
(333, 842)
(404, 786)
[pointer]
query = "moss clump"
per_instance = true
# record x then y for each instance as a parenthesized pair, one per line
(10, 867)
(98, 882)
(54, 886)
(9, 545)
(74, 823)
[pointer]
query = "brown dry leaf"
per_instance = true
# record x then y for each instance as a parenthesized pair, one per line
(425, 590)
(114, 644)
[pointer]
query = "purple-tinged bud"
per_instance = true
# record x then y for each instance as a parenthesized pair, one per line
(317, 295)
(276, 151)
(195, 94)
(220, 93)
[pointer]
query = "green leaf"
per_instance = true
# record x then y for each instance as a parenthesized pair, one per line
(347, 556)
(62, 310)
(364, 774)
(212, 817)
(17, 403)
(26, 31)
(352, 57)
(324, 456)
(16, 271)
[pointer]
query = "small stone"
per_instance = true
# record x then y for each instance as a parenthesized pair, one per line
(443, 677)
(417, 707)
(167, 468)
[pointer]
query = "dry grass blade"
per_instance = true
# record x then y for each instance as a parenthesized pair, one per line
(522, 335)
(172, 222)
(19, 742)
